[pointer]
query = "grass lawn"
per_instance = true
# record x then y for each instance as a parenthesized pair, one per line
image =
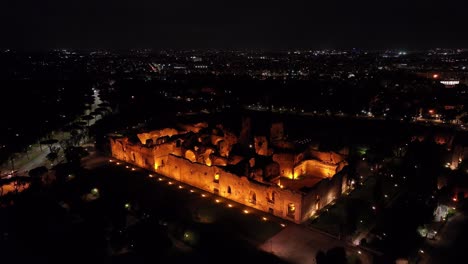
(185, 203)
(360, 200)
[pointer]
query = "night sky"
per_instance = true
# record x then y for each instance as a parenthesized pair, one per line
(275, 24)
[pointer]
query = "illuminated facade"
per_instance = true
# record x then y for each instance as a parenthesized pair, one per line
(291, 185)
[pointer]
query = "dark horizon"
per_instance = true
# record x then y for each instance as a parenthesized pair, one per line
(233, 25)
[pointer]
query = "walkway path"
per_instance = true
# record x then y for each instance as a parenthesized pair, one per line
(300, 245)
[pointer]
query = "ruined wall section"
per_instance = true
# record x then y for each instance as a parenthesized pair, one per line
(325, 156)
(234, 187)
(277, 131)
(141, 155)
(154, 135)
(323, 193)
(167, 160)
(261, 146)
(315, 168)
(286, 163)
(195, 128)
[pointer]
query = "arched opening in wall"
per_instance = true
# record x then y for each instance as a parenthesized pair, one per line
(229, 191)
(178, 143)
(272, 197)
(252, 197)
(291, 210)
(216, 191)
(133, 156)
(216, 177)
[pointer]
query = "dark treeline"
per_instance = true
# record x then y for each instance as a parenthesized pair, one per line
(30, 109)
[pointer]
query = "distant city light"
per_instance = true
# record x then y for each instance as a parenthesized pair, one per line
(450, 83)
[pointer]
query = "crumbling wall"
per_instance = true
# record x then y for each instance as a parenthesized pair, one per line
(326, 156)
(154, 135)
(323, 193)
(315, 168)
(277, 131)
(234, 187)
(286, 163)
(261, 146)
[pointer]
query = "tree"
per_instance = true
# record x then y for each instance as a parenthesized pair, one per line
(38, 172)
(73, 155)
(52, 156)
(350, 217)
(378, 191)
(321, 258)
(87, 118)
(49, 142)
(336, 255)
(12, 158)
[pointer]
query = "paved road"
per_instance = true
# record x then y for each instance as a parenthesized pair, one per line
(40, 159)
